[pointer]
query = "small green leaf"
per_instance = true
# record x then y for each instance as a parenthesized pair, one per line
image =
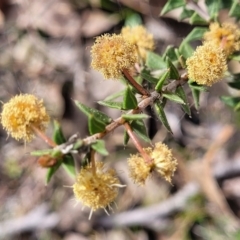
(186, 50)
(180, 91)
(174, 97)
(237, 107)
(134, 117)
(129, 100)
(40, 153)
(172, 4)
(235, 57)
(195, 19)
(196, 96)
(133, 19)
(140, 129)
(99, 146)
(51, 171)
(196, 34)
(155, 61)
(235, 10)
(161, 81)
(58, 136)
(69, 165)
(115, 96)
(196, 86)
(173, 72)
(170, 53)
(147, 76)
(95, 125)
(162, 116)
(235, 85)
(125, 138)
(89, 112)
(116, 105)
(213, 8)
(230, 101)
(186, 13)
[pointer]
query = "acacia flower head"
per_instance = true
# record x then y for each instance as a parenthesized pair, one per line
(163, 162)
(140, 37)
(23, 113)
(226, 36)
(96, 188)
(207, 65)
(111, 54)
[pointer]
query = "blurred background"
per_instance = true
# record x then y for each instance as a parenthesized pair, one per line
(45, 50)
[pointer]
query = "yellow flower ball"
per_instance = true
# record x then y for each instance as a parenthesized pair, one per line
(226, 36)
(111, 54)
(96, 189)
(139, 169)
(139, 36)
(21, 114)
(163, 162)
(207, 65)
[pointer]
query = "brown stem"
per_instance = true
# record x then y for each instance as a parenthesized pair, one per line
(141, 106)
(145, 156)
(136, 85)
(44, 137)
(93, 162)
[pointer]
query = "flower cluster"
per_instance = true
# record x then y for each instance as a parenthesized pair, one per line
(226, 36)
(22, 114)
(95, 187)
(207, 65)
(139, 36)
(163, 162)
(111, 54)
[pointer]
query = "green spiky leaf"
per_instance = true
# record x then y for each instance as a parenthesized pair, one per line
(161, 81)
(111, 104)
(174, 97)
(186, 13)
(58, 136)
(195, 19)
(69, 165)
(173, 72)
(180, 91)
(162, 116)
(95, 125)
(125, 138)
(99, 146)
(140, 129)
(90, 112)
(129, 100)
(147, 76)
(155, 61)
(172, 4)
(196, 97)
(230, 101)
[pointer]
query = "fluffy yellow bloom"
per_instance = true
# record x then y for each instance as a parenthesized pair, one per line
(207, 65)
(111, 54)
(96, 189)
(139, 36)
(163, 162)
(139, 170)
(226, 36)
(21, 114)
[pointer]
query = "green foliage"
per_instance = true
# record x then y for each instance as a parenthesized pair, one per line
(159, 107)
(172, 4)
(155, 61)
(129, 99)
(140, 129)
(99, 146)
